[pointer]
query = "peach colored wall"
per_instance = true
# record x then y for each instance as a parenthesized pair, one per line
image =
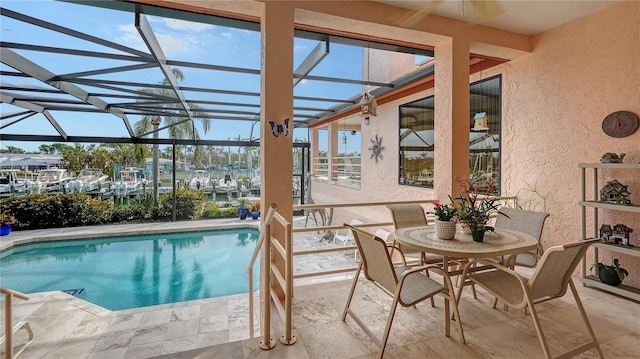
(554, 102)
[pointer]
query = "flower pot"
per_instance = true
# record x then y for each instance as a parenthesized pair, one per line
(477, 235)
(608, 278)
(445, 229)
(5, 229)
(243, 213)
(255, 215)
(464, 228)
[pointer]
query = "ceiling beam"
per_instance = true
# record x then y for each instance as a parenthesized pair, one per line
(12, 59)
(311, 61)
(149, 38)
(35, 108)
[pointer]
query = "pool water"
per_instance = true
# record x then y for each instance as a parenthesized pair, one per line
(136, 271)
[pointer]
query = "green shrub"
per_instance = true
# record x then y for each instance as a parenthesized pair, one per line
(212, 210)
(188, 204)
(64, 210)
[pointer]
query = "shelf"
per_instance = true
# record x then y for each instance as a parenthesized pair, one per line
(585, 278)
(615, 207)
(632, 251)
(622, 290)
(610, 165)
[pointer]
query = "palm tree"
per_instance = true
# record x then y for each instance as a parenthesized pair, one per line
(177, 127)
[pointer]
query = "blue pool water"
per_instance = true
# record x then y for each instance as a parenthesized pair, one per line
(136, 271)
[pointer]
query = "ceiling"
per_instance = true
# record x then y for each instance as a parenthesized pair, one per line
(519, 16)
(32, 86)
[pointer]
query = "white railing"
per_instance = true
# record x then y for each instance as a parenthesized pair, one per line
(9, 328)
(267, 240)
(346, 171)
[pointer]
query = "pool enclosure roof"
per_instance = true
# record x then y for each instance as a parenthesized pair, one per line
(72, 79)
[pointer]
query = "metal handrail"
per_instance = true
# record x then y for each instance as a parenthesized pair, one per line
(285, 281)
(8, 322)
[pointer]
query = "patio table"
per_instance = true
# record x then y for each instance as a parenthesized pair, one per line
(496, 244)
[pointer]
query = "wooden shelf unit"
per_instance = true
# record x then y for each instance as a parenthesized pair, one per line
(595, 206)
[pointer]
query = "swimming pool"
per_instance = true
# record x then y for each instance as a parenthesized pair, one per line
(136, 271)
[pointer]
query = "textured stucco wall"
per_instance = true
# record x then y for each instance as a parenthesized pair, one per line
(554, 101)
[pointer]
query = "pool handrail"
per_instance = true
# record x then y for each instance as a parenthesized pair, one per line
(9, 328)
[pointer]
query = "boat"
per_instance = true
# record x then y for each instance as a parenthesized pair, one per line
(255, 181)
(227, 184)
(53, 179)
(88, 180)
(10, 184)
(200, 181)
(131, 181)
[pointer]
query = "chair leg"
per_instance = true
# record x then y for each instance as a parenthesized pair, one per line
(585, 319)
(353, 289)
(541, 337)
(387, 329)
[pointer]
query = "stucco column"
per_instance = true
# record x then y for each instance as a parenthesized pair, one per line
(276, 105)
(314, 150)
(451, 115)
(333, 149)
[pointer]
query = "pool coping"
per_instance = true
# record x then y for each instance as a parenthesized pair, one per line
(20, 238)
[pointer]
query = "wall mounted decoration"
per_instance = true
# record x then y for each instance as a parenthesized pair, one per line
(376, 148)
(277, 129)
(620, 124)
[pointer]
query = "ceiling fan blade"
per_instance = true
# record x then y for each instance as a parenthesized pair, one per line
(414, 17)
(487, 9)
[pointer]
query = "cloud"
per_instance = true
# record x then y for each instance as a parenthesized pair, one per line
(303, 82)
(299, 47)
(228, 35)
(186, 25)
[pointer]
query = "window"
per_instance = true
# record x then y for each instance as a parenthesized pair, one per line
(484, 136)
(416, 143)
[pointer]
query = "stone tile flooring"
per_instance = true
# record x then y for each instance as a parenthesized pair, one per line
(67, 327)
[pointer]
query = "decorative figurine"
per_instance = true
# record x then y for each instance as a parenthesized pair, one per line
(615, 192)
(619, 234)
(610, 157)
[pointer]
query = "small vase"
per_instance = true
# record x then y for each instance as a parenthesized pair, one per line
(445, 229)
(255, 215)
(477, 235)
(5, 229)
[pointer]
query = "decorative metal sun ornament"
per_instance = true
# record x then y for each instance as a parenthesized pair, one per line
(376, 148)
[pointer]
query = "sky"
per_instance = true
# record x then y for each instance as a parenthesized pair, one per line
(180, 40)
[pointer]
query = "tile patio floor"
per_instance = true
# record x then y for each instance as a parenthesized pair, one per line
(67, 327)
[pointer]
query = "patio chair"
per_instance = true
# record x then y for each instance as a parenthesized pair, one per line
(408, 286)
(346, 237)
(524, 221)
(549, 281)
(411, 215)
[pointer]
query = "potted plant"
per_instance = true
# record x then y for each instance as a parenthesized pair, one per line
(475, 208)
(610, 274)
(445, 223)
(255, 210)
(6, 221)
(242, 208)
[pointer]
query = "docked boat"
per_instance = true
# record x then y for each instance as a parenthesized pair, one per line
(200, 181)
(53, 179)
(131, 181)
(255, 181)
(88, 180)
(10, 185)
(227, 184)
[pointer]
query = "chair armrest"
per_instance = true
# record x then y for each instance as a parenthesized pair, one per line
(404, 260)
(511, 260)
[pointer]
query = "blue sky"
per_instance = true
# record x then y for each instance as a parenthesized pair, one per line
(180, 40)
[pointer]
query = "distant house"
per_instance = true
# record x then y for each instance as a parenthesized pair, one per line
(615, 192)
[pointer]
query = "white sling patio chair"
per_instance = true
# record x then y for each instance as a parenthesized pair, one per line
(550, 280)
(408, 286)
(347, 237)
(528, 222)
